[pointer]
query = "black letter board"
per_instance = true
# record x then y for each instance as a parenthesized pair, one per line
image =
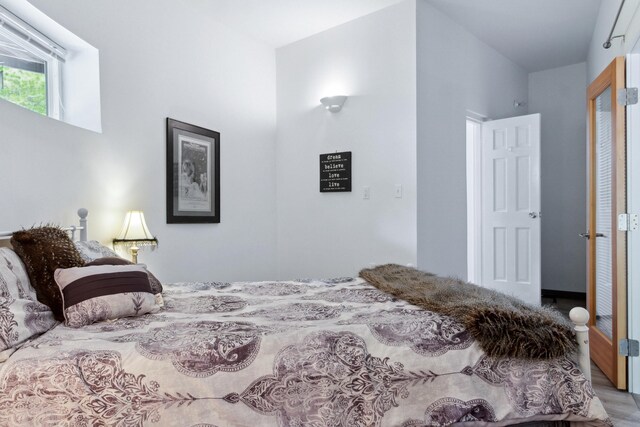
(335, 172)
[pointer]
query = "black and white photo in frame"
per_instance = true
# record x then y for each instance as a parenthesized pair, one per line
(193, 174)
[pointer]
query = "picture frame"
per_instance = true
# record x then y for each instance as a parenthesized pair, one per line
(193, 173)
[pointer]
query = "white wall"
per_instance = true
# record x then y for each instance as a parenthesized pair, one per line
(158, 59)
(456, 72)
(559, 96)
(372, 60)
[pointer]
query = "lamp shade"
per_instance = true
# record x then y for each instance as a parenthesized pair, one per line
(333, 103)
(135, 231)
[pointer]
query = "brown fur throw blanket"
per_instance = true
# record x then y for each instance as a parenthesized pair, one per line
(503, 326)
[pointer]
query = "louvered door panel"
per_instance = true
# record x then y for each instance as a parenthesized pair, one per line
(604, 276)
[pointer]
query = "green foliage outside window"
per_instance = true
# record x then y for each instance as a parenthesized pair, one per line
(25, 88)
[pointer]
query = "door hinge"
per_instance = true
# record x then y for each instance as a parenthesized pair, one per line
(629, 348)
(628, 222)
(628, 96)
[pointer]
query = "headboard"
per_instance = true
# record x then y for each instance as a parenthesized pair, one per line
(80, 229)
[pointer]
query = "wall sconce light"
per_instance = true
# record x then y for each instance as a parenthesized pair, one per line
(333, 103)
(135, 233)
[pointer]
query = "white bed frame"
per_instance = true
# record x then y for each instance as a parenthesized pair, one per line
(580, 318)
(82, 228)
(578, 315)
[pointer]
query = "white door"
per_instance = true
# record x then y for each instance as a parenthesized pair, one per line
(511, 206)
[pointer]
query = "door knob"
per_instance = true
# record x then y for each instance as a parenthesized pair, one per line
(588, 236)
(533, 215)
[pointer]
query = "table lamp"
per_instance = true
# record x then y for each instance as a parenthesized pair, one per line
(135, 234)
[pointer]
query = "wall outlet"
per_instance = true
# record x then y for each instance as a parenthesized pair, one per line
(366, 193)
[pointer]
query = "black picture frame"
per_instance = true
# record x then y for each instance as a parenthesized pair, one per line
(193, 174)
(335, 172)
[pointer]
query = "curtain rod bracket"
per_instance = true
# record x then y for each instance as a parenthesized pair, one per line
(607, 43)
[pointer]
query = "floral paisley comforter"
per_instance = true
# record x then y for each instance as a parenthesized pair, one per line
(307, 353)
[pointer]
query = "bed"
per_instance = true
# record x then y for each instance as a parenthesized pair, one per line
(331, 352)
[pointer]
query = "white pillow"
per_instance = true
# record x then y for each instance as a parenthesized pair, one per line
(21, 315)
(92, 250)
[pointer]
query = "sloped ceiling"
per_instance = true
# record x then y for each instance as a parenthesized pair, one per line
(535, 34)
(281, 22)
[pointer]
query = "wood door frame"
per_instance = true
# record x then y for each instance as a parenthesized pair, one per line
(604, 351)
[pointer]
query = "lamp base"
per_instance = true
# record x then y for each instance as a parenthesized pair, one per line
(134, 254)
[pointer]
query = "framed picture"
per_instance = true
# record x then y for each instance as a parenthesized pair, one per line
(193, 174)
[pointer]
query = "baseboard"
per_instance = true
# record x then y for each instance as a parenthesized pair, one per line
(552, 293)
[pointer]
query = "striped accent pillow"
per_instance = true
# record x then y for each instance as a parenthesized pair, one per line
(96, 293)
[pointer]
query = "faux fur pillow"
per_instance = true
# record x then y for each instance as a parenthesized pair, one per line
(43, 250)
(96, 293)
(156, 286)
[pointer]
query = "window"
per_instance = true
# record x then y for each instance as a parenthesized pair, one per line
(30, 66)
(46, 68)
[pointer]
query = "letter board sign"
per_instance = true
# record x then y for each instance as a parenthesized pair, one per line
(335, 172)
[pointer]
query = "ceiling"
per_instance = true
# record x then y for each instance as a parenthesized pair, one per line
(281, 22)
(535, 34)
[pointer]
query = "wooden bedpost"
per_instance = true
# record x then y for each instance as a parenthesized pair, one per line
(82, 213)
(580, 317)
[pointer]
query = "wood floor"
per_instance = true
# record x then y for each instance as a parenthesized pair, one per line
(623, 407)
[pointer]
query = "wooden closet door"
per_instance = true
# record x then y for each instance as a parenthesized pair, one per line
(606, 266)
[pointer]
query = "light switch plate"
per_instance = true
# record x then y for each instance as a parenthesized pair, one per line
(366, 193)
(398, 191)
